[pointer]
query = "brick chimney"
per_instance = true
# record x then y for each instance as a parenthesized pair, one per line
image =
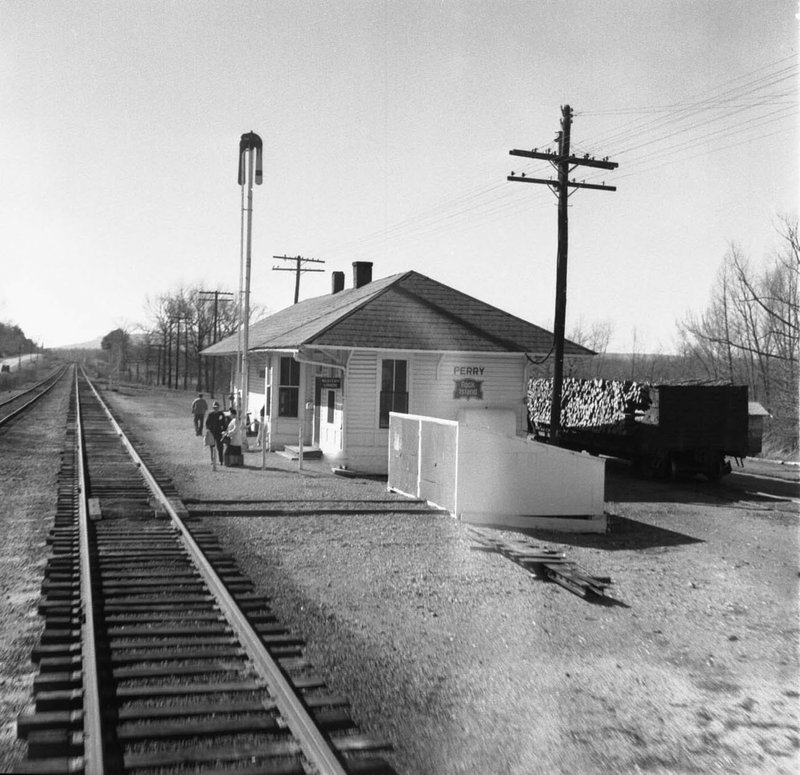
(337, 282)
(362, 273)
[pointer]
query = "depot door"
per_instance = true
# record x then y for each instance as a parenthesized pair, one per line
(329, 401)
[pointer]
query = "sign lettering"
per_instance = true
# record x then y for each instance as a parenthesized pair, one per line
(468, 388)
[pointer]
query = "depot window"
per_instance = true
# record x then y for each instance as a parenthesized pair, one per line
(288, 387)
(394, 389)
(331, 406)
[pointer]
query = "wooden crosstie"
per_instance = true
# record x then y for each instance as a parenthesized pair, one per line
(544, 563)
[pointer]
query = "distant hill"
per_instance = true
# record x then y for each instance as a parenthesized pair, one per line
(94, 344)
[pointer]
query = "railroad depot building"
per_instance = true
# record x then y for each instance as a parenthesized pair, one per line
(335, 366)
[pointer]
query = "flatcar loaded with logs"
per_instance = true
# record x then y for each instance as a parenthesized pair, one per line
(662, 429)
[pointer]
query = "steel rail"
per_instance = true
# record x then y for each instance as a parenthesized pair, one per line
(27, 404)
(314, 744)
(55, 376)
(94, 760)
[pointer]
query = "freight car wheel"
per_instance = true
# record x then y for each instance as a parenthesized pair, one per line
(714, 470)
(653, 466)
(674, 469)
(712, 464)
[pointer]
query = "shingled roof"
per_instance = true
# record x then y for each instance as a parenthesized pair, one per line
(407, 311)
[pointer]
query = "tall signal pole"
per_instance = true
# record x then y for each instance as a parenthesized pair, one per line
(298, 269)
(564, 163)
(251, 146)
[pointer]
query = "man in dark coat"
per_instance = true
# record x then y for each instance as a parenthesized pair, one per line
(215, 422)
(199, 408)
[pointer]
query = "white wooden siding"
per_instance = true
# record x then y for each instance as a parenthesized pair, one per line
(363, 438)
(501, 384)
(255, 379)
(431, 385)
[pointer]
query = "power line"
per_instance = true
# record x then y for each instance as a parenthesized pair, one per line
(486, 202)
(683, 113)
(675, 106)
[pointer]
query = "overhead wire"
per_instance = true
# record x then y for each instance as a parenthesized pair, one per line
(679, 111)
(661, 130)
(486, 202)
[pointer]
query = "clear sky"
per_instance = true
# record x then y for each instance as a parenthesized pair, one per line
(386, 129)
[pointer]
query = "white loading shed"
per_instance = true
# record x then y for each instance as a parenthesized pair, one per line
(333, 368)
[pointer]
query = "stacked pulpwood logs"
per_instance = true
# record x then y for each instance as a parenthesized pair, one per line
(587, 403)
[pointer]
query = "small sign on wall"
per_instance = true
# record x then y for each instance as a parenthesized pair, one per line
(330, 383)
(468, 388)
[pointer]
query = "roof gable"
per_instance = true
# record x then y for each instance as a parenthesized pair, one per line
(408, 311)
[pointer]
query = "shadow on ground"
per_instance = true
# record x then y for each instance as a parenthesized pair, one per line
(623, 534)
(624, 485)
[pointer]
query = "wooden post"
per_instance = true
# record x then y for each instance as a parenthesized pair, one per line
(561, 274)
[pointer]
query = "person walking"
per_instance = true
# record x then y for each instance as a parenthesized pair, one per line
(199, 409)
(233, 437)
(216, 424)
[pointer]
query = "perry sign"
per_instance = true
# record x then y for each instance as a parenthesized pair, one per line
(468, 387)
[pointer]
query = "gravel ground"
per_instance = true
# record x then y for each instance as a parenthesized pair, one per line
(29, 461)
(469, 665)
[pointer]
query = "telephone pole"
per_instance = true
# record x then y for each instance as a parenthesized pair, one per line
(298, 269)
(564, 163)
(208, 296)
(177, 320)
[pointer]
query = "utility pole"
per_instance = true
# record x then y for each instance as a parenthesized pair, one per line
(298, 269)
(186, 353)
(208, 296)
(177, 350)
(177, 320)
(564, 163)
(168, 356)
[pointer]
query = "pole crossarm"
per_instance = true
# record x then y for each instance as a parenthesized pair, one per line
(583, 161)
(564, 162)
(523, 179)
(595, 186)
(298, 268)
(300, 261)
(211, 295)
(554, 184)
(292, 269)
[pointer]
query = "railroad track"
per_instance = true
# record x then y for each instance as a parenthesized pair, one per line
(24, 400)
(157, 655)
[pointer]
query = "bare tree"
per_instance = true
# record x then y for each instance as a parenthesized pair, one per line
(183, 311)
(596, 336)
(750, 331)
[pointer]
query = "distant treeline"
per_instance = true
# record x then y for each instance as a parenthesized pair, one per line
(13, 341)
